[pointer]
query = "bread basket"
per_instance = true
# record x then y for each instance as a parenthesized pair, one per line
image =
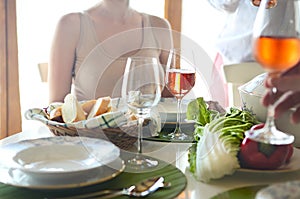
(112, 126)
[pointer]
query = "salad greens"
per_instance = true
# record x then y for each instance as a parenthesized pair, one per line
(218, 138)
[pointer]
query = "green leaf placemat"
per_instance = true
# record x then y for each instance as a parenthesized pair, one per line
(169, 172)
(166, 139)
(168, 128)
(240, 193)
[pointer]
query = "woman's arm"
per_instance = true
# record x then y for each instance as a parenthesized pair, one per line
(164, 35)
(62, 57)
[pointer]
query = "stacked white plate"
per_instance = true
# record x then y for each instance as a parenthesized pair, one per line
(59, 162)
(286, 190)
(167, 109)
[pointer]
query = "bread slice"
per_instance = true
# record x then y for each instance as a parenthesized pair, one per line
(88, 105)
(101, 106)
(56, 114)
(72, 110)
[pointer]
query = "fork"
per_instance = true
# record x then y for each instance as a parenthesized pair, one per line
(141, 189)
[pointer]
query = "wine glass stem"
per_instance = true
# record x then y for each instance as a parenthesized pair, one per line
(140, 134)
(270, 123)
(178, 123)
(270, 118)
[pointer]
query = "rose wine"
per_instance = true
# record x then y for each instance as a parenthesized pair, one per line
(277, 54)
(180, 81)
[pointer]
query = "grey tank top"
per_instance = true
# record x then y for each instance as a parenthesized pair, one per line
(98, 72)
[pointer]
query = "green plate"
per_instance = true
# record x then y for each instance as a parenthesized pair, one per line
(165, 139)
(169, 172)
(240, 193)
(188, 128)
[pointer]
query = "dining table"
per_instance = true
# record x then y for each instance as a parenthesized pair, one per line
(176, 154)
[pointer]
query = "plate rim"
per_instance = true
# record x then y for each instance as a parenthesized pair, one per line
(54, 172)
(88, 143)
(255, 189)
(85, 182)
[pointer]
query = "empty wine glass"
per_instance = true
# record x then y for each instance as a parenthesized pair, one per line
(180, 79)
(141, 90)
(276, 46)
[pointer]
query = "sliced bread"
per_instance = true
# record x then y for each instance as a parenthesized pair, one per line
(88, 105)
(102, 105)
(72, 110)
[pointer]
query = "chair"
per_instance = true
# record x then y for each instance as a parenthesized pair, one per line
(237, 75)
(43, 69)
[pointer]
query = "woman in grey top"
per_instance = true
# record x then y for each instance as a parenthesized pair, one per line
(117, 31)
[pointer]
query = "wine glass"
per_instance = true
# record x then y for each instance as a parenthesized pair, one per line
(141, 89)
(180, 79)
(276, 46)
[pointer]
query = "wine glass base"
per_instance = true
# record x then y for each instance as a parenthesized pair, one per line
(271, 136)
(141, 163)
(179, 136)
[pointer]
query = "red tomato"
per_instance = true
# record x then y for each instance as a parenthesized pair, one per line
(257, 155)
(291, 151)
(257, 126)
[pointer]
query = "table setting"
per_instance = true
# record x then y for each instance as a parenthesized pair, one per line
(65, 167)
(176, 172)
(89, 148)
(141, 144)
(174, 168)
(172, 157)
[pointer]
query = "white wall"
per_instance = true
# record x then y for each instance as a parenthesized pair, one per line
(36, 21)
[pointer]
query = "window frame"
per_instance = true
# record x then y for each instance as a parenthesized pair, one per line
(10, 120)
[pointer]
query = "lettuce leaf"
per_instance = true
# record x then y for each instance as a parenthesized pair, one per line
(197, 110)
(218, 138)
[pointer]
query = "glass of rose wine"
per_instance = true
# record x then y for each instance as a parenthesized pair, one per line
(276, 46)
(180, 79)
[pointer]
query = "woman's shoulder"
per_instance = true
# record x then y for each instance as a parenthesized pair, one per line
(158, 21)
(70, 20)
(68, 26)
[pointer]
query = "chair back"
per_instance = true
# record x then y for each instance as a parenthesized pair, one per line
(43, 69)
(237, 75)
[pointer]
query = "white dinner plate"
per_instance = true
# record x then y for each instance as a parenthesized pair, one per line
(59, 157)
(167, 109)
(18, 178)
(288, 190)
(291, 166)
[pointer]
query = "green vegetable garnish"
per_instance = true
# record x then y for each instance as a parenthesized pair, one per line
(218, 139)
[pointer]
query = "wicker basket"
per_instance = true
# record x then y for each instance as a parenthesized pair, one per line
(124, 136)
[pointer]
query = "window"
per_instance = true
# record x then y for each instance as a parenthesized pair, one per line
(202, 23)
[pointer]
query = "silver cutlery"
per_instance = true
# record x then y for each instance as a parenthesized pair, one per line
(141, 189)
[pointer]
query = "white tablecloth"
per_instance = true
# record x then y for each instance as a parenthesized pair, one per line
(177, 155)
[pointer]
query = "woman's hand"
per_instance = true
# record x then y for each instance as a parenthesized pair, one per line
(287, 95)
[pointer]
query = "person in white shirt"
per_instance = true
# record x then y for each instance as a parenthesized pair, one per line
(234, 46)
(234, 41)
